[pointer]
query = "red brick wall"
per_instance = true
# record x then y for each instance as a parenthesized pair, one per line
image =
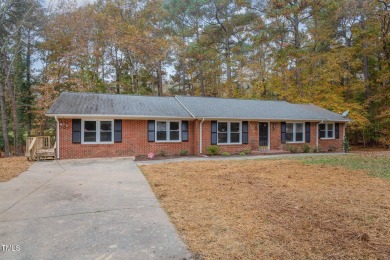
(324, 145)
(134, 142)
(253, 141)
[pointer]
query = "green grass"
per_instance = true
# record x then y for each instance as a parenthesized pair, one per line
(376, 165)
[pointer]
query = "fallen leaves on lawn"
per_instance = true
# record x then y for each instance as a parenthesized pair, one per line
(11, 167)
(274, 209)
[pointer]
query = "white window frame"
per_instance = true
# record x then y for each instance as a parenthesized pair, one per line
(229, 132)
(326, 131)
(295, 131)
(168, 130)
(97, 131)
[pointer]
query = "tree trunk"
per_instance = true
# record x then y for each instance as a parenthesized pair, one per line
(159, 79)
(4, 121)
(11, 90)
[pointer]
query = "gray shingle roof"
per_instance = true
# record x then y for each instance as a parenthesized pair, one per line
(92, 104)
(117, 105)
(255, 109)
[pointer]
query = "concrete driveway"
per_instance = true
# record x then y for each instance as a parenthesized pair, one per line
(85, 209)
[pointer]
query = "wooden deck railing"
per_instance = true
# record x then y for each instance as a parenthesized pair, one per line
(33, 144)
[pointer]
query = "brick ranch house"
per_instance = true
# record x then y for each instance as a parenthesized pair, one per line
(103, 125)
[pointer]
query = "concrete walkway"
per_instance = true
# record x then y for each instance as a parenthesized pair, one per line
(85, 209)
(236, 158)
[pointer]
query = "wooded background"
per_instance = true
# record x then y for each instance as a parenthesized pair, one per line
(332, 53)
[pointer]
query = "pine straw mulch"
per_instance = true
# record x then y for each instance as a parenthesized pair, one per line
(274, 209)
(11, 167)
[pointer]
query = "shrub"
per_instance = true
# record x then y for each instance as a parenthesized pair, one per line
(242, 153)
(316, 149)
(306, 148)
(225, 154)
(213, 150)
(346, 147)
(162, 153)
(245, 151)
(292, 149)
(183, 152)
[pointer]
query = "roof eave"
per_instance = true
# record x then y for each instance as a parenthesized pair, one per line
(117, 116)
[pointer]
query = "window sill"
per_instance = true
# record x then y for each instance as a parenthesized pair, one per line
(229, 143)
(332, 138)
(168, 141)
(295, 142)
(98, 143)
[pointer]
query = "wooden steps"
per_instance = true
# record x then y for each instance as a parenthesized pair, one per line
(40, 149)
(45, 154)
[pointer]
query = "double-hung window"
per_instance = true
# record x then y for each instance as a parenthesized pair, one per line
(229, 132)
(168, 131)
(294, 132)
(327, 130)
(97, 131)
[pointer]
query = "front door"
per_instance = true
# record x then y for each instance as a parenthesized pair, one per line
(263, 135)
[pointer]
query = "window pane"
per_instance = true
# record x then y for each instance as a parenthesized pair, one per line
(289, 137)
(299, 137)
(105, 126)
(322, 127)
(299, 127)
(161, 135)
(234, 137)
(222, 138)
(322, 134)
(90, 125)
(174, 126)
(222, 127)
(161, 126)
(234, 127)
(174, 135)
(330, 127)
(89, 136)
(289, 128)
(105, 136)
(330, 134)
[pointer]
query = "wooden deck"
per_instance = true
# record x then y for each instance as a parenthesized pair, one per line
(39, 148)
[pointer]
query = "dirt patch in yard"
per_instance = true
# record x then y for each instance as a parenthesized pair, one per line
(274, 209)
(12, 166)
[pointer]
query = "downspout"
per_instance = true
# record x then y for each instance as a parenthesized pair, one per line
(317, 133)
(58, 138)
(201, 136)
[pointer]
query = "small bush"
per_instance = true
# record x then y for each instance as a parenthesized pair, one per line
(225, 154)
(245, 151)
(213, 150)
(316, 149)
(306, 148)
(346, 147)
(183, 152)
(242, 153)
(292, 149)
(162, 153)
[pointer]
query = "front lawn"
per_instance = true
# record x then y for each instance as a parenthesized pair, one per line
(260, 209)
(11, 167)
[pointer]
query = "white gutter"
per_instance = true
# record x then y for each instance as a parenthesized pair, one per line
(200, 136)
(317, 133)
(58, 138)
(114, 116)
